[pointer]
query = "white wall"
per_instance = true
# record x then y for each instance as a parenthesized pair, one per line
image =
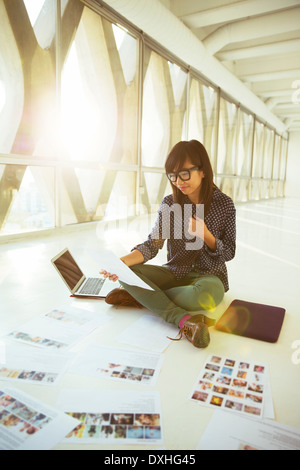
(292, 188)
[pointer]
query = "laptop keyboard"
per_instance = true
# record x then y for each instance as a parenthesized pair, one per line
(92, 286)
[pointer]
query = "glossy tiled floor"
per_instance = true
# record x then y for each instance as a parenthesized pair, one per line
(266, 269)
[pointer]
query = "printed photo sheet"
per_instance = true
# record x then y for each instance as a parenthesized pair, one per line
(59, 329)
(125, 365)
(149, 332)
(232, 385)
(113, 416)
(243, 433)
(28, 424)
(22, 363)
(108, 261)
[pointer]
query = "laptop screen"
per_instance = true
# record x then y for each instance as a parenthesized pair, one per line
(68, 269)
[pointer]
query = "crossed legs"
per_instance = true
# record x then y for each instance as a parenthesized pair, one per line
(171, 298)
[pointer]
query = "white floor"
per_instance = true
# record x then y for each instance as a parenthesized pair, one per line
(266, 269)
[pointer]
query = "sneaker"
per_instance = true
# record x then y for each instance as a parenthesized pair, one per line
(121, 297)
(195, 329)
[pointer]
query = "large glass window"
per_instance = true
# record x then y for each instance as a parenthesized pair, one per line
(268, 153)
(100, 93)
(85, 127)
(244, 144)
(258, 150)
(163, 121)
(227, 147)
(202, 123)
(227, 137)
(277, 155)
(27, 111)
(282, 171)
(164, 108)
(27, 77)
(32, 206)
(99, 109)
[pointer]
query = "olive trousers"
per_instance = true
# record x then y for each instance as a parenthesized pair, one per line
(173, 298)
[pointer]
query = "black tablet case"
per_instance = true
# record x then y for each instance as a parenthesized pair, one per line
(253, 320)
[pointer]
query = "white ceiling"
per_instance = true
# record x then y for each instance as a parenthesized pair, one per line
(258, 41)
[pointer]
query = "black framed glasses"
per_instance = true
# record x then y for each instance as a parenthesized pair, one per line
(184, 175)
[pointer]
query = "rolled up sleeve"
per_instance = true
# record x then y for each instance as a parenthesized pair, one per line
(155, 241)
(226, 242)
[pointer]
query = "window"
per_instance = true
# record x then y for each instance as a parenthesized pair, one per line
(81, 130)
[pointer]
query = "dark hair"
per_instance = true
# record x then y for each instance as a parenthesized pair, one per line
(197, 154)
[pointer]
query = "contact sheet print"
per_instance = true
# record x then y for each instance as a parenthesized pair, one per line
(28, 424)
(232, 385)
(247, 434)
(125, 365)
(40, 353)
(25, 364)
(59, 329)
(113, 416)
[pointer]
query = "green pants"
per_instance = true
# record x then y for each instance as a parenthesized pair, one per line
(172, 298)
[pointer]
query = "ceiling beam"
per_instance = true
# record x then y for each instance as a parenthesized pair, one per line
(280, 94)
(235, 11)
(292, 124)
(272, 64)
(267, 76)
(253, 28)
(279, 101)
(273, 87)
(288, 106)
(160, 24)
(282, 47)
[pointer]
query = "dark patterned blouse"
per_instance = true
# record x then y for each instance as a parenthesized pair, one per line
(186, 253)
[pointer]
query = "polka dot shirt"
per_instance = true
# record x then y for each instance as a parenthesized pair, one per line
(186, 253)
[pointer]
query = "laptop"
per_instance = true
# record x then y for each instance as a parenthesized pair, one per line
(253, 320)
(78, 284)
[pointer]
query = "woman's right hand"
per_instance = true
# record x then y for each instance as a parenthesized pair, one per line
(111, 277)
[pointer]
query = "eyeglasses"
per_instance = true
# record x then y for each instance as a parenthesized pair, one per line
(184, 175)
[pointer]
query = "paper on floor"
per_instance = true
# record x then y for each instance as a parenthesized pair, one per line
(124, 365)
(149, 332)
(25, 364)
(28, 424)
(247, 434)
(234, 385)
(113, 416)
(59, 329)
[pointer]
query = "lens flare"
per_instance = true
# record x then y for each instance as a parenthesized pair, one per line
(206, 302)
(235, 321)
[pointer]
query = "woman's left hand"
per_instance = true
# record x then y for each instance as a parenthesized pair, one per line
(197, 227)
